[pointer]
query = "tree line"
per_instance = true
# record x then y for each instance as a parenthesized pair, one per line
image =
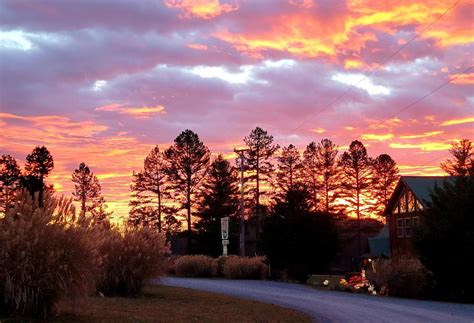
(183, 183)
(38, 166)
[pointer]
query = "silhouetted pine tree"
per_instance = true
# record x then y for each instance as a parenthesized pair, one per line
(356, 171)
(38, 166)
(219, 198)
(462, 162)
(289, 164)
(141, 212)
(322, 170)
(385, 179)
(188, 160)
(258, 160)
(9, 181)
(87, 189)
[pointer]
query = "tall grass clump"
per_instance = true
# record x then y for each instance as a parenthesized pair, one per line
(129, 259)
(46, 255)
(245, 268)
(195, 266)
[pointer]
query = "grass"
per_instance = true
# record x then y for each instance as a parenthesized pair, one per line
(172, 304)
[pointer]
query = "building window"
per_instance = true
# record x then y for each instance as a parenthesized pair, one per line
(415, 221)
(411, 202)
(403, 202)
(419, 206)
(407, 227)
(395, 209)
(400, 228)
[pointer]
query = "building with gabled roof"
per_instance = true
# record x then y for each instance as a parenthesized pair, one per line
(407, 203)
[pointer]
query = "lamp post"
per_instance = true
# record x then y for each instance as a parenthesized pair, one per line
(240, 153)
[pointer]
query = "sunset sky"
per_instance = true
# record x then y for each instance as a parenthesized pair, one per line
(104, 81)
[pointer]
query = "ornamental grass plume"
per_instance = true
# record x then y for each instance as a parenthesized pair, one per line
(46, 255)
(129, 259)
(195, 266)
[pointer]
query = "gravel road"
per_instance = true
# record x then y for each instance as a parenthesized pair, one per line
(327, 306)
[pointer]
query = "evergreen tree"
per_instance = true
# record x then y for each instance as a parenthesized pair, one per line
(38, 166)
(219, 198)
(188, 160)
(288, 176)
(356, 170)
(88, 192)
(462, 161)
(297, 239)
(141, 211)
(385, 179)
(87, 189)
(150, 189)
(321, 165)
(9, 181)
(311, 175)
(444, 240)
(258, 158)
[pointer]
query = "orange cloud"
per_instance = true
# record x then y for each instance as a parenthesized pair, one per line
(376, 137)
(197, 46)
(427, 146)
(423, 135)
(303, 34)
(319, 130)
(467, 78)
(204, 9)
(457, 121)
(136, 113)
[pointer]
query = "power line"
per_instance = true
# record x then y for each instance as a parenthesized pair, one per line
(311, 116)
(439, 87)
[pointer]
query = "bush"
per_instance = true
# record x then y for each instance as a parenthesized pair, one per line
(195, 266)
(46, 255)
(400, 277)
(129, 259)
(245, 268)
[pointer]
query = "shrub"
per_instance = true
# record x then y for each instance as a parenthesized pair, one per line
(245, 268)
(221, 262)
(400, 277)
(129, 259)
(45, 256)
(195, 266)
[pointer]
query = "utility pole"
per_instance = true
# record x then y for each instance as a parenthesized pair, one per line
(240, 152)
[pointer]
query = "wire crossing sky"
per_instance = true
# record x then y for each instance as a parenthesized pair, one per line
(103, 83)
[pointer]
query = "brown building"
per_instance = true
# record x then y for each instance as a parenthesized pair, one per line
(406, 205)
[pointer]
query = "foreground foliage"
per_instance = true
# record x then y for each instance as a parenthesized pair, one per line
(445, 239)
(298, 240)
(130, 258)
(48, 255)
(45, 255)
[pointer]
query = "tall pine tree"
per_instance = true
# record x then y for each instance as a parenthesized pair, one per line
(150, 191)
(219, 198)
(326, 163)
(385, 179)
(356, 170)
(462, 161)
(188, 160)
(88, 192)
(9, 181)
(288, 175)
(259, 163)
(38, 166)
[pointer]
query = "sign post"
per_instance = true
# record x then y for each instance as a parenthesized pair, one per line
(225, 234)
